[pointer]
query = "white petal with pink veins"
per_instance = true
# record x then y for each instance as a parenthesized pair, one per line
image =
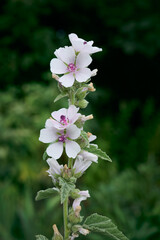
(67, 80)
(72, 114)
(48, 135)
(57, 114)
(66, 54)
(57, 66)
(72, 148)
(83, 74)
(83, 60)
(73, 132)
(55, 150)
(49, 123)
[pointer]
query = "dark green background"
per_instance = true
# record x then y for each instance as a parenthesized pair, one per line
(125, 106)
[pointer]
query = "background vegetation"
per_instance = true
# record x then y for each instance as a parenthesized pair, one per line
(125, 105)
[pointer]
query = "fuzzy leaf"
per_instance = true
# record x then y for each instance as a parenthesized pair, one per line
(66, 188)
(93, 149)
(61, 95)
(104, 225)
(41, 237)
(42, 194)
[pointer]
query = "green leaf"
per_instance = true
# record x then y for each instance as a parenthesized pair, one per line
(104, 225)
(84, 135)
(93, 149)
(66, 188)
(42, 194)
(41, 237)
(61, 95)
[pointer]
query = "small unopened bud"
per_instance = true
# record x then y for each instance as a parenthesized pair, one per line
(74, 216)
(94, 72)
(81, 93)
(75, 193)
(55, 76)
(91, 87)
(89, 117)
(57, 235)
(89, 134)
(82, 103)
(66, 173)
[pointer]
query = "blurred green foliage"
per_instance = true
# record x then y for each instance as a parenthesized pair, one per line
(125, 106)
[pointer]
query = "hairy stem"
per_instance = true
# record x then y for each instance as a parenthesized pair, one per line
(65, 218)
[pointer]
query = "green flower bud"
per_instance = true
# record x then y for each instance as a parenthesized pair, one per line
(75, 193)
(81, 93)
(82, 103)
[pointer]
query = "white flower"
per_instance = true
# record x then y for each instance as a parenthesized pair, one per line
(83, 196)
(60, 138)
(63, 118)
(54, 168)
(81, 45)
(72, 66)
(83, 160)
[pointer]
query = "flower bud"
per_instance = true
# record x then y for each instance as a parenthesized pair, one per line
(57, 235)
(66, 173)
(94, 72)
(91, 87)
(81, 93)
(74, 216)
(74, 194)
(82, 103)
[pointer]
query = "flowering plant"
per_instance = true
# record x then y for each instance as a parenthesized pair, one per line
(64, 132)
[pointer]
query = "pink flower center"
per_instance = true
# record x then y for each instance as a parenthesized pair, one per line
(63, 120)
(62, 138)
(84, 42)
(71, 67)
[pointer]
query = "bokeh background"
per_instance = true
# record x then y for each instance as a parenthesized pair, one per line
(125, 106)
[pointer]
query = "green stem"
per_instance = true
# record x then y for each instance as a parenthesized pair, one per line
(70, 162)
(65, 217)
(72, 98)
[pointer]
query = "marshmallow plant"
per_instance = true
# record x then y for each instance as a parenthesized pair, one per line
(64, 134)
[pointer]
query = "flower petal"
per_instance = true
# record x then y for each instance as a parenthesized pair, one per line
(57, 114)
(57, 66)
(55, 150)
(83, 74)
(83, 60)
(72, 114)
(67, 80)
(72, 148)
(66, 54)
(73, 132)
(48, 135)
(55, 168)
